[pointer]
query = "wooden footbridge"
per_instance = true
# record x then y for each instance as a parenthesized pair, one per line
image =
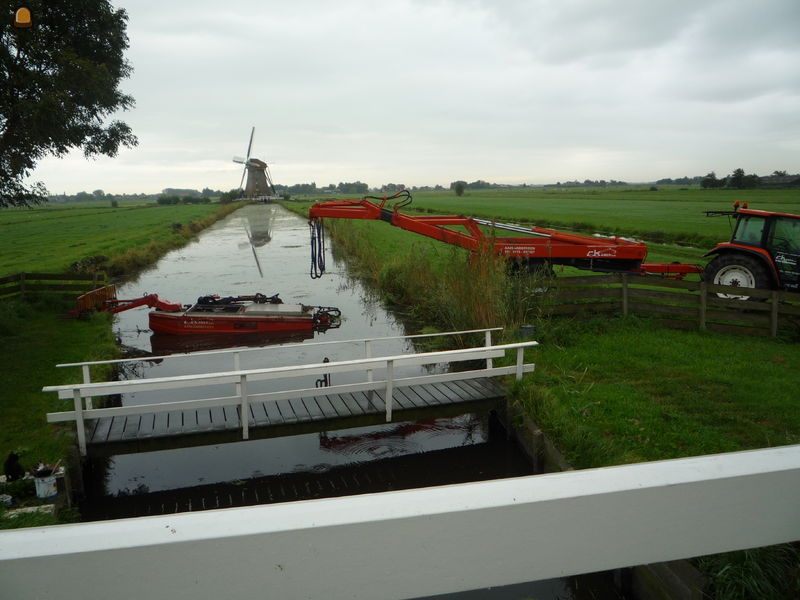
(204, 420)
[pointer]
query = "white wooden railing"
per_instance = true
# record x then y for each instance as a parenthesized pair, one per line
(236, 353)
(424, 542)
(241, 378)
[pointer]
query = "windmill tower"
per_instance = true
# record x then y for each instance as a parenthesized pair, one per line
(259, 181)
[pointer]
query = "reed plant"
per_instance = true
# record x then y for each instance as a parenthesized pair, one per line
(445, 287)
(771, 573)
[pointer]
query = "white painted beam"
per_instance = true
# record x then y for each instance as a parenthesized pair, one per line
(421, 542)
(143, 409)
(198, 379)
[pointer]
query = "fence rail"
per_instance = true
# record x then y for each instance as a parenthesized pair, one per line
(365, 546)
(21, 283)
(683, 304)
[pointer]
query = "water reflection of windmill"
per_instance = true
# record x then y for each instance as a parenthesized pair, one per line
(259, 181)
(259, 233)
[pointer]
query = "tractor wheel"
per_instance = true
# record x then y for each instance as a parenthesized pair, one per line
(738, 270)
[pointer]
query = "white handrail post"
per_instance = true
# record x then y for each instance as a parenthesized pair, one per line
(489, 362)
(237, 366)
(520, 361)
(245, 416)
(370, 378)
(79, 425)
(389, 387)
(87, 378)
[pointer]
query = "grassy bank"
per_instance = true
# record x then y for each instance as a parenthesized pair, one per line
(35, 339)
(115, 240)
(613, 391)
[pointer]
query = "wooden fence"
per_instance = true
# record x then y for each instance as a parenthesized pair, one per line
(682, 304)
(21, 283)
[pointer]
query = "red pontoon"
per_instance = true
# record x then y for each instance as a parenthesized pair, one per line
(242, 314)
(211, 314)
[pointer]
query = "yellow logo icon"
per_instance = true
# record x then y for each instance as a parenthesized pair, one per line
(22, 18)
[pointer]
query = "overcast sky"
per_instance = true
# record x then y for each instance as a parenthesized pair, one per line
(428, 92)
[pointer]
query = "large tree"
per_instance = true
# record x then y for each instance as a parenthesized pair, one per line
(58, 85)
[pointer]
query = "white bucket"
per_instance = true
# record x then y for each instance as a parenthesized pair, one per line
(45, 486)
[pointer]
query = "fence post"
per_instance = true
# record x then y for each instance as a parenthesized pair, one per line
(87, 378)
(489, 362)
(79, 424)
(389, 387)
(520, 361)
(703, 304)
(624, 279)
(773, 325)
(245, 416)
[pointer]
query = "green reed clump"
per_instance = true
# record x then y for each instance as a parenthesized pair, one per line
(444, 286)
(770, 573)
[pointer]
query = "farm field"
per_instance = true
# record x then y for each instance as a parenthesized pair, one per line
(51, 238)
(670, 214)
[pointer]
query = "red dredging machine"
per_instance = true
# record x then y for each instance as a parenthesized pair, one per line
(212, 314)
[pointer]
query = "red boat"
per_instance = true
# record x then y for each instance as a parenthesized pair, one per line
(214, 315)
(242, 314)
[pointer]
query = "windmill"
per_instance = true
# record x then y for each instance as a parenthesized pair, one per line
(259, 181)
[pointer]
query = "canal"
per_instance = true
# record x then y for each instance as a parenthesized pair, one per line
(265, 249)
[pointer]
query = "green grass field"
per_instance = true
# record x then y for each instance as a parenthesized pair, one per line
(669, 214)
(50, 238)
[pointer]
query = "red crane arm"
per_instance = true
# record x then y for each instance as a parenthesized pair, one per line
(539, 243)
(556, 247)
(152, 300)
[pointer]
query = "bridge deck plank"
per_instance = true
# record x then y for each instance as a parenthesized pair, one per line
(100, 433)
(328, 410)
(273, 414)
(339, 405)
(287, 412)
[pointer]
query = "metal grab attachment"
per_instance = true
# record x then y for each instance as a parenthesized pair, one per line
(327, 317)
(317, 248)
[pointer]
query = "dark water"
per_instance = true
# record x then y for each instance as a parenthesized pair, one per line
(265, 248)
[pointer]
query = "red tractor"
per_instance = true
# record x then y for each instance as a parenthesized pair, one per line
(764, 251)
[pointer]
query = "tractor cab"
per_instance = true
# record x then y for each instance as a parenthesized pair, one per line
(764, 252)
(782, 241)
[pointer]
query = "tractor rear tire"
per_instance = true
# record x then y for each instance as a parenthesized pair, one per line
(740, 270)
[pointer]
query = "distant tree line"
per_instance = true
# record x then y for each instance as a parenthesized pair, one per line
(343, 187)
(183, 194)
(588, 183)
(681, 181)
(738, 180)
